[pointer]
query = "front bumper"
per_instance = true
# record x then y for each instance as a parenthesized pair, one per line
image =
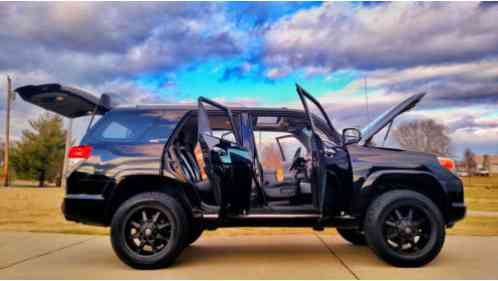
(84, 208)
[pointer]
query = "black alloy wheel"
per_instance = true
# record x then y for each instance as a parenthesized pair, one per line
(407, 229)
(149, 230)
(404, 228)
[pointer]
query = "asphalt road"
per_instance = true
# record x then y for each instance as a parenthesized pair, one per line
(314, 256)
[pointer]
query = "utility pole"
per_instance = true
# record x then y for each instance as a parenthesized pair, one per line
(8, 101)
(366, 97)
(65, 166)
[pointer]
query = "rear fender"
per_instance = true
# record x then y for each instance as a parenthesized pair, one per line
(131, 185)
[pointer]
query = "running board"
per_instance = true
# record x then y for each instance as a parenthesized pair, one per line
(263, 216)
(313, 220)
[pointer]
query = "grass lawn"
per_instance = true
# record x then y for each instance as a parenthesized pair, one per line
(38, 210)
(481, 193)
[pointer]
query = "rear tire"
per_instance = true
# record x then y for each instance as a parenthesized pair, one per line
(353, 236)
(404, 228)
(148, 231)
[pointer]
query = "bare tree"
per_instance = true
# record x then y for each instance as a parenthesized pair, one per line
(424, 135)
(469, 162)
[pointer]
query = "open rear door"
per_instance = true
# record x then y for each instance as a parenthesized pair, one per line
(228, 164)
(330, 169)
(66, 101)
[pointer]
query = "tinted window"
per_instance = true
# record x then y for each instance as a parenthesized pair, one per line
(116, 130)
(134, 126)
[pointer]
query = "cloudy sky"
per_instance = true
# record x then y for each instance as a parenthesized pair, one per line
(253, 53)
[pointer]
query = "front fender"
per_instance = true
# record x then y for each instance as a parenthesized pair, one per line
(375, 176)
(381, 181)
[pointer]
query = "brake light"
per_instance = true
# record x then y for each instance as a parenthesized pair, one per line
(84, 151)
(447, 163)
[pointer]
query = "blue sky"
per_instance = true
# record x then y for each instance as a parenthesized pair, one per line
(222, 79)
(254, 53)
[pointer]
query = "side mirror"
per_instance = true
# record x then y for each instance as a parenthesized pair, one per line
(350, 136)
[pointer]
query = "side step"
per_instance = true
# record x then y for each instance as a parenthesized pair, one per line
(263, 216)
(276, 220)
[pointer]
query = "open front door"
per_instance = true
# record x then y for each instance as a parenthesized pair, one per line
(228, 164)
(330, 173)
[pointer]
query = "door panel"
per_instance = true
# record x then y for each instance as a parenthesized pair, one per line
(228, 164)
(330, 169)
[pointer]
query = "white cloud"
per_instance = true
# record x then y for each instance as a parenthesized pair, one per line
(476, 70)
(391, 35)
(81, 42)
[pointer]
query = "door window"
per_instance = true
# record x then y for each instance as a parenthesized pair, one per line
(320, 122)
(270, 152)
(289, 146)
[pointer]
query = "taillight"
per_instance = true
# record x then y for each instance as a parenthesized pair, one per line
(84, 151)
(447, 163)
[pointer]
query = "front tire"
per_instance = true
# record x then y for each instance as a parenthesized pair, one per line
(148, 231)
(353, 236)
(404, 228)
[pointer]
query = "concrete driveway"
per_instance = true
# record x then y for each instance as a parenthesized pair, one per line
(314, 256)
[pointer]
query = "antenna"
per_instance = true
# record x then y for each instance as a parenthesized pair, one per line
(366, 97)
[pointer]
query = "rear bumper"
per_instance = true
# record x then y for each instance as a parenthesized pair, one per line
(84, 208)
(456, 212)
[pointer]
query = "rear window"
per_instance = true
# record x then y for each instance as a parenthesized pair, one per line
(120, 126)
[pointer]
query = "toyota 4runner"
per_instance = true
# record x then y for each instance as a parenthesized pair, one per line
(159, 175)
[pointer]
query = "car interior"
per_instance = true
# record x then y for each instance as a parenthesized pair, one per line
(281, 161)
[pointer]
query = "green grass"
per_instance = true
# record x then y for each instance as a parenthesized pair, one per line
(481, 193)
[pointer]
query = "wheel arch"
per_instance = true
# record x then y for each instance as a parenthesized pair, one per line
(132, 185)
(419, 181)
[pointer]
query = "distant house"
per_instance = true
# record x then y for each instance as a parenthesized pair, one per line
(493, 164)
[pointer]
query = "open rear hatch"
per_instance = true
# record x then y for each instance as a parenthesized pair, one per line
(66, 101)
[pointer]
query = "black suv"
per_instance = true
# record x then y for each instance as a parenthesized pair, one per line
(159, 175)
